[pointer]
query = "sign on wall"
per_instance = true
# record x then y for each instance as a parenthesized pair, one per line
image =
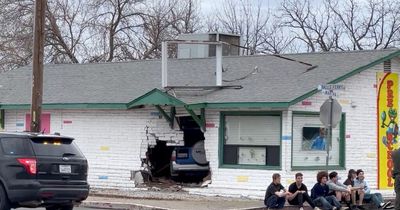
(387, 84)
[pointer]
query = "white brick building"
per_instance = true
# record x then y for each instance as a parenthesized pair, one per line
(106, 109)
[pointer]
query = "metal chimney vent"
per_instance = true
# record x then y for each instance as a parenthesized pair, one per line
(387, 66)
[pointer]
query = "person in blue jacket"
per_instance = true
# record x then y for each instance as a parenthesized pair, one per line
(319, 141)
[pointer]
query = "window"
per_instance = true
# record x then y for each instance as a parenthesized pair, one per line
(15, 146)
(314, 138)
(55, 147)
(310, 141)
(251, 139)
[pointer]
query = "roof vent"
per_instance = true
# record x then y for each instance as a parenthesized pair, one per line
(387, 66)
(231, 46)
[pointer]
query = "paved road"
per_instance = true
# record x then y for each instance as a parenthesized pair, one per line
(44, 209)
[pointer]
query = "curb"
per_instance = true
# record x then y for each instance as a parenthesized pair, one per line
(132, 206)
(134, 197)
(118, 205)
(101, 204)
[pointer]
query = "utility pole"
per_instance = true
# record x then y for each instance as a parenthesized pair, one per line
(37, 73)
(329, 139)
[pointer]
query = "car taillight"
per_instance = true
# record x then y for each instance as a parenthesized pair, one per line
(173, 156)
(29, 165)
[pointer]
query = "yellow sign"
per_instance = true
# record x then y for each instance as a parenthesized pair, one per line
(242, 178)
(387, 126)
(104, 148)
(371, 155)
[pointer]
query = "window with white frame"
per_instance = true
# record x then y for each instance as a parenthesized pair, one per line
(310, 142)
(251, 139)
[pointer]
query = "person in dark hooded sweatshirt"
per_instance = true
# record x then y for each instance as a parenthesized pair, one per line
(396, 176)
(320, 194)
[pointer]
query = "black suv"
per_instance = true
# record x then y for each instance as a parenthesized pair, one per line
(39, 170)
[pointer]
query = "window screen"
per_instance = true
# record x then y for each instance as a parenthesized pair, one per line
(310, 139)
(252, 140)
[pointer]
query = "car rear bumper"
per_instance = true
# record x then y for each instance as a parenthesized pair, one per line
(43, 195)
(188, 167)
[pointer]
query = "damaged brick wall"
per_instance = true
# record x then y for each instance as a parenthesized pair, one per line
(159, 129)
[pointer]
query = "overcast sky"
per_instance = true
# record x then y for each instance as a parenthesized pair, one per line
(208, 6)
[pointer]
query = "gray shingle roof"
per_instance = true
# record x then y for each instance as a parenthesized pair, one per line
(276, 80)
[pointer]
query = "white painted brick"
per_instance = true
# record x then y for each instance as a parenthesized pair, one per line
(114, 141)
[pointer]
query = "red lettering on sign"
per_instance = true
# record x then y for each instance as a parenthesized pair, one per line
(389, 83)
(389, 94)
(389, 163)
(210, 125)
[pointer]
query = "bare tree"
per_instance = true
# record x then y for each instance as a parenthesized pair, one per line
(371, 25)
(135, 29)
(157, 21)
(63, 32)
(243, 18)
(253, 21)
(16, 40)
(387, 32)
(92, 31)
(118, 30)
(66, 30)
(165, 20)
(185, 16)
(111, 23)
(276, 40)
(343, 25)
(315, 26)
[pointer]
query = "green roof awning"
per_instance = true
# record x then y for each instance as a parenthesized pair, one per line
(156, 97)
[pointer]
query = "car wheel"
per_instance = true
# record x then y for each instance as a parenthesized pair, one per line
(199, 153)
(172, 172)
(4, 203)
(53, 208)
(63, 207)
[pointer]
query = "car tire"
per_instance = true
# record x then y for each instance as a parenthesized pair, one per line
(63, 207)
(4, 203)
(199, 153)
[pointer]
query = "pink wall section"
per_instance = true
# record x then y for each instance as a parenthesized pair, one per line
(45, 122)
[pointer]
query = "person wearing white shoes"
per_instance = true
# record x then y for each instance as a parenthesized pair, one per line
(338, 189)
(356, 193)
(376, 198)
(320, 194)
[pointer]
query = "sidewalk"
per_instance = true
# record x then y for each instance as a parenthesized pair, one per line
(145, 199)
(123, 203)
(181, 200)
